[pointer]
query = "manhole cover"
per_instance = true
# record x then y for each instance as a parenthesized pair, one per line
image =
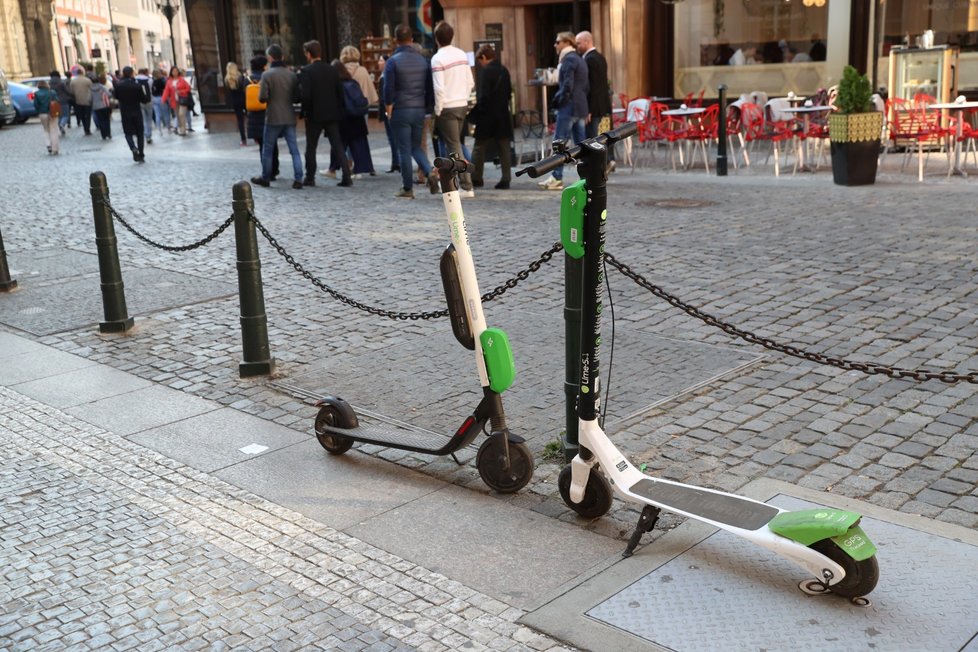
(675, 203)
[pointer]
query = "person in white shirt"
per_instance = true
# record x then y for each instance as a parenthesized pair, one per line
(453, 84)
(744, 56)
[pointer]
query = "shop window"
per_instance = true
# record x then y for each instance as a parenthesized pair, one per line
(260, 23)
(954, 22)
(203, 36)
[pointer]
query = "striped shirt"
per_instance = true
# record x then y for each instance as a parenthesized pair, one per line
(451, 77)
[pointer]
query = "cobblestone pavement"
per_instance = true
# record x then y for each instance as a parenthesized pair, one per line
(107, 545)
(883, 273)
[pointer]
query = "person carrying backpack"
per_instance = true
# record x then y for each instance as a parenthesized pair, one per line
(353, 127)
(322, 107)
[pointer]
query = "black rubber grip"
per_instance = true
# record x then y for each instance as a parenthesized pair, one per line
(452, 165)
(539, 168)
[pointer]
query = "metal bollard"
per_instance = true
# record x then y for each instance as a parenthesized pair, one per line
(573, 299)
(722, 132)
(117, 319)
(6, 283)
(255, 352)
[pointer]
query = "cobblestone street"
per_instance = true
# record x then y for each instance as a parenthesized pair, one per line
(883, 274)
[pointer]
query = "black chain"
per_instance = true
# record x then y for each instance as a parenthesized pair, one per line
(919, 375)
(390, 314)
(195, 245)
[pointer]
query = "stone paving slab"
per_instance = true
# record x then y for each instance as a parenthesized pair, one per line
(108, 544)
(697, 588)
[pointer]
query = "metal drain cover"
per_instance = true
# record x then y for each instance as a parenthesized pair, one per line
(675, 203)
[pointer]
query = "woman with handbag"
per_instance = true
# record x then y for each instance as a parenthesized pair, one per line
(48, 110)
(177, 95)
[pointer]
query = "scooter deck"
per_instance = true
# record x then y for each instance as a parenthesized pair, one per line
(391, 436)
(720, 508)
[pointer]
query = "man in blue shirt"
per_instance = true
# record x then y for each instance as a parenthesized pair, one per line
(408, 94)
(570, 100)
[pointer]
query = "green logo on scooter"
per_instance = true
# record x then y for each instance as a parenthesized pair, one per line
(572, 202)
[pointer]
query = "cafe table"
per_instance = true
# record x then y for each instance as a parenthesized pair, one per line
(543, 114)
(687, 113)
(806, 112)
(957, 167)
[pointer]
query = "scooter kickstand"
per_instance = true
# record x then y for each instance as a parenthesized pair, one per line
(647, 521)
(457, 461)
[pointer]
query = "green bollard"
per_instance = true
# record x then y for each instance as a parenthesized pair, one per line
(6, 283)
(256, 356)
(117, 319)
(573, 299)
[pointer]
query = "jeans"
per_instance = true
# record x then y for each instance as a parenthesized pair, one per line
(449, 126)
(270, 140)
(64, 119)
(390, 138)
(162, 111)
(567, 125)
(147, 111)
(407, 124)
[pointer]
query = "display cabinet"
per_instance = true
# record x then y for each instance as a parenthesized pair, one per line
(928, 71)
(371, 51)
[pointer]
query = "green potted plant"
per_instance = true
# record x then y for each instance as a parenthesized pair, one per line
(854, 131)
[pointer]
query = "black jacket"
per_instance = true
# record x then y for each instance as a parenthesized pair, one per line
(492, 118)
(131, 95)
(599, 97)
(322, 92)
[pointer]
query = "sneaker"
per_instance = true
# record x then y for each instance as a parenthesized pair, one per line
(545, 182)
(329, 173)
(405, 193)
(469, 194)
(554, 184)
(502, 185)
(297, 185)
(149, 141)
(611, 167)
(49, 149)
(135, 156)
(433, 182)
(309, 181)
(259, 181)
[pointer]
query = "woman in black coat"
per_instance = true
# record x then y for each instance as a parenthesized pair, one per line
(493, 122)
(256, 119)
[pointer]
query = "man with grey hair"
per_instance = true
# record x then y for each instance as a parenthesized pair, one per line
(279, 89)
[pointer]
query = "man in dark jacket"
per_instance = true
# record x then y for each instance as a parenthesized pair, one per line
(408, 94)
(322, 107)
(570, 100)
(131, 96)
(599, 95)
(279, 90)
(493, 123)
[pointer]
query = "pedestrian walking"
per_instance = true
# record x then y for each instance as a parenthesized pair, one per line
(81, 91)
(146, 107)
(408, 95)
(322, 108)
(353, 126)
(132, 95)
(279, 89)
(452, 84)
(234, 82)
(256, 119)
(599, 93)
(570, 100)
(46, 100)
(161, 110)
(60, 88)
(382, 115)
(493, 122)
(177, 95)
(102, 107)
(360, 147)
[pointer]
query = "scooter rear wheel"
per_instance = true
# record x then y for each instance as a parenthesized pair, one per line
(491, 462)
(597, 493)
(334, 444)
(861, 576)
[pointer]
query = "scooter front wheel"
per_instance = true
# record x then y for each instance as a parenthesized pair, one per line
(861, 576)
(334, 444)
(491, 462)
(597, 493)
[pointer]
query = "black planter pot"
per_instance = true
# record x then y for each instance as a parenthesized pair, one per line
(855, 142)
(854, 164)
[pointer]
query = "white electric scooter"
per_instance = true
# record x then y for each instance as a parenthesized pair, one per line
(828, 543)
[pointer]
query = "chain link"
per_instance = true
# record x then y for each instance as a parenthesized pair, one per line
(195, 245)
(390, 314)
(920, 375)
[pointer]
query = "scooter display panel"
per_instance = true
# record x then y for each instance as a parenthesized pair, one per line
(720, 508)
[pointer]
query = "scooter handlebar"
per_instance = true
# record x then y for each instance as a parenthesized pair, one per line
(452, 165)
(540, 168)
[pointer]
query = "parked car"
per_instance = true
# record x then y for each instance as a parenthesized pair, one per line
(23, 97)
(7, 112)
(32, 81)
